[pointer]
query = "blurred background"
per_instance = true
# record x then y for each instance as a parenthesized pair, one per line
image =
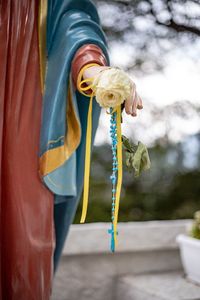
(158, 44)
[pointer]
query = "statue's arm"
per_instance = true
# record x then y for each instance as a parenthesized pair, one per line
(87, 54)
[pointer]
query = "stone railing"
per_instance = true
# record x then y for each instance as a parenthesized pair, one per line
(88, 270)
(133, 237)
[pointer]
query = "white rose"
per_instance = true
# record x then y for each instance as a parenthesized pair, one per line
(111, 87)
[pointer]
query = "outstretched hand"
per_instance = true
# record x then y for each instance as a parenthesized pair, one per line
(132, 103)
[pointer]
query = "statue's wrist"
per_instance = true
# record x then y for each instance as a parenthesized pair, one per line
(87, 54)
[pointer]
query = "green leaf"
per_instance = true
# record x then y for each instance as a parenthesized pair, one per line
(141, 160)
(128, 146)
(137, 157)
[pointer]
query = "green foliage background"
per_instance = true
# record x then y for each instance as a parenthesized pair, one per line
(169, 190)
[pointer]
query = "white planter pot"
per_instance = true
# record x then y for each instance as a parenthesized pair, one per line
(190, 256)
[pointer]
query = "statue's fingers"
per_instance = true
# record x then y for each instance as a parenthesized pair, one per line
(128, 106)
(134, 107)
(139, 104)
(129, 101)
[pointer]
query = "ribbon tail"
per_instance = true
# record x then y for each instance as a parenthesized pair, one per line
(87, 162)
(119, 178)
(83, 90)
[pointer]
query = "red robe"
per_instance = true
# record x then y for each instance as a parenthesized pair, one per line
(27, 232)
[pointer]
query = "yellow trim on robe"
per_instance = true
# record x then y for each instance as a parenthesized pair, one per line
(42, 29)
(55, 141)
(54, 158)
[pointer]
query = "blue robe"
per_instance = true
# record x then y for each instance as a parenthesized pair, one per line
(70, 24)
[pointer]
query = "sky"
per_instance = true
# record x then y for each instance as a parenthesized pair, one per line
(178, 81)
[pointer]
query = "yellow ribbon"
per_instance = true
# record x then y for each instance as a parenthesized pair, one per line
(82, 90)
(119, 177)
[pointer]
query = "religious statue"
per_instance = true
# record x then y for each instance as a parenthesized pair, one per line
(44, 47)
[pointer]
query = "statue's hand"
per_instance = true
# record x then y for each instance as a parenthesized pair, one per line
(132, 103)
